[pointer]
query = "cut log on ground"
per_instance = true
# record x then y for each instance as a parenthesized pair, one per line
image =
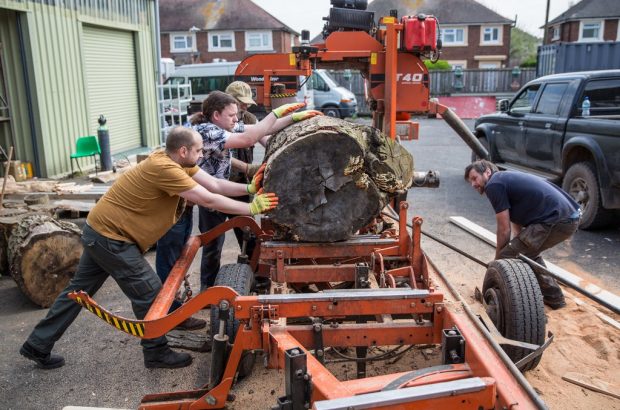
(332, 178)
(43, 255)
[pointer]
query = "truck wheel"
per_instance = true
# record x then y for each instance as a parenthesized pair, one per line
(581, 183)
(485, 144)
(331, 112)
(239, 277)
(515, 305)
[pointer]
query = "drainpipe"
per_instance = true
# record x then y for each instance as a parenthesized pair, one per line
(33, 132)
(160, 92)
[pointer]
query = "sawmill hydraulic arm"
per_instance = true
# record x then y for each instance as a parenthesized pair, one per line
(389, 57)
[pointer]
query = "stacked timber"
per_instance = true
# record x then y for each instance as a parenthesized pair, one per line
(332, 177)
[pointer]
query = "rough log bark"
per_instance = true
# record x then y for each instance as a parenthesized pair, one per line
(332, 177)
(43, 255)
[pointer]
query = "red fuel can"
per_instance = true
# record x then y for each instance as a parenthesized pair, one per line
(419, 33)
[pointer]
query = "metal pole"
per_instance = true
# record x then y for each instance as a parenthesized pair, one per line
(546, 22)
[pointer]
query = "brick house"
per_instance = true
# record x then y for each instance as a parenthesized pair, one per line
(204, 31)
(473, 36)
(586, 21)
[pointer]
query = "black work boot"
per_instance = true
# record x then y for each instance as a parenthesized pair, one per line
(43, 360)
(165, 358)
(557, 303)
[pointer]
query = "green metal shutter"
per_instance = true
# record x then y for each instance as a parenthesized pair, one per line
(111, 80)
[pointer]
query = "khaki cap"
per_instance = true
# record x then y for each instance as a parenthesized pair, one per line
(241, 91)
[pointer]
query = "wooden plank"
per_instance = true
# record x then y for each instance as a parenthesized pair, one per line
(592, 383)
(562, 274)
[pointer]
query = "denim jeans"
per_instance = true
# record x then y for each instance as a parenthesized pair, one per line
(212, 252)
(534, 239)
(102, 257)
(170, 245)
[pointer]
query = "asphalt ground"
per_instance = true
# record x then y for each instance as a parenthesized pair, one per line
(104, 367)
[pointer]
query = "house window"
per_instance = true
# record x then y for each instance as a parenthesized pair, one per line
(182, 42)
(452, 36)
(556, 33)
(258, 41)
(591, 31)
(490, 35)
(221, 41)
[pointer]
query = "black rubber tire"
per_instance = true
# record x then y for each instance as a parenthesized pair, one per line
(515, 305)
(485, 143)
(331, 111)
(581, 183)
(238, 276)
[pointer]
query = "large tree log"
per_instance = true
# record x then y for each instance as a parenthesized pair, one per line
(332, 177)
(43, 255)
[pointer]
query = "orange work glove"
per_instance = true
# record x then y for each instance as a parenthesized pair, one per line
(263, 203)
(257, 180)
(286, 109)
(304, 115)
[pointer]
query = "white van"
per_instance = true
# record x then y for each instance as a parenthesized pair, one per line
(204, 78)
(331, 98)
(208, 77)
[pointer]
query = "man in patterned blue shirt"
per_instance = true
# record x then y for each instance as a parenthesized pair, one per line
(218, 124)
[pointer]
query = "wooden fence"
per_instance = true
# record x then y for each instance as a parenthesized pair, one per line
(447, 82)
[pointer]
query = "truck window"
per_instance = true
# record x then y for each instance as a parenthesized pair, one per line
(604, 96)
(549, 102)
(525, 100)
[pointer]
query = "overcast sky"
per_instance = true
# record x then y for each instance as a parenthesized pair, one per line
(308, 15)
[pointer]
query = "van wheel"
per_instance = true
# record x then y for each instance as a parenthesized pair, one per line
(515, 305)
(332, 112)
(581, 183)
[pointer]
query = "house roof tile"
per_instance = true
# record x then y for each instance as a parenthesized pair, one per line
(446, 11)
(181, 15)
(587, 9)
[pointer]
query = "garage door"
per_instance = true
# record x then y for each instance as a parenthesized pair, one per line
(111, 81)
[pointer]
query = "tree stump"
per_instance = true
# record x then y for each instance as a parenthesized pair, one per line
(43, 255)
(332, 177)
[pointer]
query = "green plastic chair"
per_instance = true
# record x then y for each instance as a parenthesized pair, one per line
(86, 147)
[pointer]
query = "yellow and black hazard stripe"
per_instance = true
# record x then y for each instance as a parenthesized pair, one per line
(282, 95)
(128, 326)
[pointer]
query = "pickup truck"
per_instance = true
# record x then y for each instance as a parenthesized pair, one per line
(542, 131)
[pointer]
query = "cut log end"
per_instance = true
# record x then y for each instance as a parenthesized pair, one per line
(43, 257)
(332, 178)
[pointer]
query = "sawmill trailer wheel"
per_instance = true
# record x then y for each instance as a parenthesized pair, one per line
(515, 305)
(238, 276)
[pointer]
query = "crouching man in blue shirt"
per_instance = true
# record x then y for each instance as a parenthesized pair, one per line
(541, 214)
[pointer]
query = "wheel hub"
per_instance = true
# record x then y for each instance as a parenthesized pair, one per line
(494, 307)
(579, 191)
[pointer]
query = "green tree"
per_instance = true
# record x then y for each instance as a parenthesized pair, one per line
(523, 48)
(439, 65)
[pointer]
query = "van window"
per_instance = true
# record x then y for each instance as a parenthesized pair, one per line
(204, 85)
(171, 91)
(318, 83)
(604, 96)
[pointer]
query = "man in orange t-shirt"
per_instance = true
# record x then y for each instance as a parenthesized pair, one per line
(138, 209)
